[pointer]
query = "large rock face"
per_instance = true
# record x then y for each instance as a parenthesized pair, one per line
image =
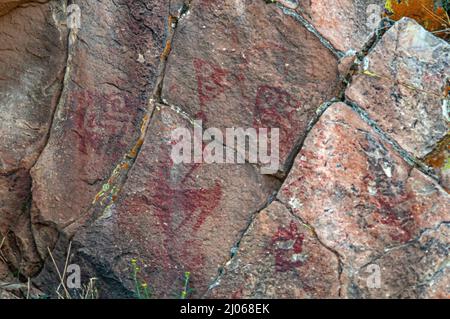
(175, 218)
(260, 69)
(403, 86)
(32, 62)
(357, 209)
(111, 71)
(364, 200)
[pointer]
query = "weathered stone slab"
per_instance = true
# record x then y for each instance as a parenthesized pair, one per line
(403, 85)
(346, 24)
(279, 257)
(112, 69)
(419, 269)
(32, 59)
(171, 217)
(360, 196)
(246, 64)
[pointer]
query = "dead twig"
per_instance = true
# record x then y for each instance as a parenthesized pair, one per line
(61, 277)
(2, 257)
(28, 288)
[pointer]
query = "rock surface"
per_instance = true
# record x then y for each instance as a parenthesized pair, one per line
(32, 60)
(176, 217)
(403, 86)
(8, 5)
(106, 94)
(279, 257)
(363, 199)
(346, 24)
(358, 208)
(261, 69)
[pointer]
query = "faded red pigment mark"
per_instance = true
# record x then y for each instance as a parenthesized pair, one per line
(391, 200)
(174, 208)
(276, 108)
(395, 212)
(100, 120)
(211, 81)
(238, 294)
(214, 80)
(299, 186)
(176, 203)
(285, 243)
(195, 204)
(270, 50)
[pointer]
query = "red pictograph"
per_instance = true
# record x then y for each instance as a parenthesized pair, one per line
(100, 120)
(286, 245)
(193, 205)
(211, 82)
(274, 107)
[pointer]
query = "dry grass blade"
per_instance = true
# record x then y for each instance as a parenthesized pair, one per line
(431, 13)
(2, 257)
(447, 30)
(28, 288)
(10, 286)
(61, 278)
(90, 291)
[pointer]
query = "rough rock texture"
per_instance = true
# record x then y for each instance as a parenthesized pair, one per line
(32, 60)
(416, 270)
(260, 69)
(106, 93)
(357, 210)
(175, 218)
(279, 257)
(7, 295)
(363, 199)
(439, 160)
(403, 86)
(8, 5)
(346, 24)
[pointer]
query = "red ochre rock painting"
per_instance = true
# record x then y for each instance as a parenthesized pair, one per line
(286, 245)
(86, 116)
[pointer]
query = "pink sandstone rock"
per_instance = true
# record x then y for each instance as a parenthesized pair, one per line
(361, 197)
(347, 24)
(171, 217)
(402, 85)
(279, 257)
(259, 69)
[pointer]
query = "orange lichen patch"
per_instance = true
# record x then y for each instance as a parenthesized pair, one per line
(166, 51)
(432, 18)
(172, 23)
(133, 153)
(438, 158)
